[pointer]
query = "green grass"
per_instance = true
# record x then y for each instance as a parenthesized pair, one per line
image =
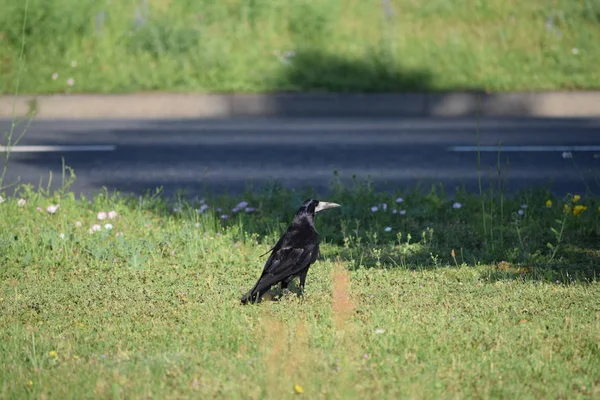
(150, 308)
(278, 45)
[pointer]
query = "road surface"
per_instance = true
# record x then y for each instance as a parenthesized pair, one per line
(132, 156)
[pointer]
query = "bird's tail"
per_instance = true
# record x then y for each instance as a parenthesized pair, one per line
(251, 296)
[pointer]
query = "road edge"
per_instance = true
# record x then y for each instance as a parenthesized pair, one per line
(575, 104)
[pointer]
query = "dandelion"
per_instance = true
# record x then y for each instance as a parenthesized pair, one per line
(53, 353)
(298, 389)
(567, 154)
(374, 209)
(402, 212)
(249, 210)
(95, 228)
(52, 208)
(55, 76)
(70, 81)
(549, 203)
(379, 331)
(102, 216)
(388, 229)
(576, 198)
(112, 214)
(399, 200)
(73, 63)
(108, 226)
(578, 209)
(21, 202)
(456, 205)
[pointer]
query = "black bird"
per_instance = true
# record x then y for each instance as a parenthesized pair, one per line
(294, 253)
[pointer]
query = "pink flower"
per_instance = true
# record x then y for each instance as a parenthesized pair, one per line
(112, 214)
(52, 208)
(102, 216)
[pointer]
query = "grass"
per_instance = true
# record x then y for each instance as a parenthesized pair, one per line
(277, 45)
(435, 308)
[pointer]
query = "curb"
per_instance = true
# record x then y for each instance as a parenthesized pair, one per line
(298, 105)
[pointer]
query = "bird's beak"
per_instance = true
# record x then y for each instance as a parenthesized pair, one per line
(324, 205)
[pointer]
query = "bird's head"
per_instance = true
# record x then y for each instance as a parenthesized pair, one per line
(312, 206)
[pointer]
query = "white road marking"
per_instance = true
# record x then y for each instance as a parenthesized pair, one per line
(522, 148)
(53, 149)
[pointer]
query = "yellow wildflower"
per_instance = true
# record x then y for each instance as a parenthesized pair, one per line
(576, 198)
(30, 383)
(578, 209)
(53, 354)
(548, 203)
(298, 389)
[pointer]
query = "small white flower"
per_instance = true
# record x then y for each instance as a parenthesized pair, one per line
(388, 229)
(197, 224)
(523, 206)
(55, 76)
(202, 208)
(1, 199)
(102, 216)
(108, 226)
(112, 214)
(73, 63)
(62, 236)
(249, 210)
(567, 154)
(77, 223)
(176, 209)
(119, 234)
(520, 212)
(379, 331)
(224, 216)
(21, 202)
(374, 209)
(95, 228)
(457, 205)
(399, 200)
(384, 206)
(402, 212)
(52, 208)
(394, 211)
(575, 50)
(70, 81)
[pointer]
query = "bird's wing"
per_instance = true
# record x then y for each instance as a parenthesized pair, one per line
(285, 262)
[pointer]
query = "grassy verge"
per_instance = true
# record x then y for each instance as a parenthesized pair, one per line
(412, 297)
(265, 45)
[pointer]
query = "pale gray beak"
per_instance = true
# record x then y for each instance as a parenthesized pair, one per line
(324, 205)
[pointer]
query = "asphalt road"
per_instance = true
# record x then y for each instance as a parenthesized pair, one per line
(228, 155)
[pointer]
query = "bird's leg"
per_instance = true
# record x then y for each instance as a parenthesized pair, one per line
(302, 280)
